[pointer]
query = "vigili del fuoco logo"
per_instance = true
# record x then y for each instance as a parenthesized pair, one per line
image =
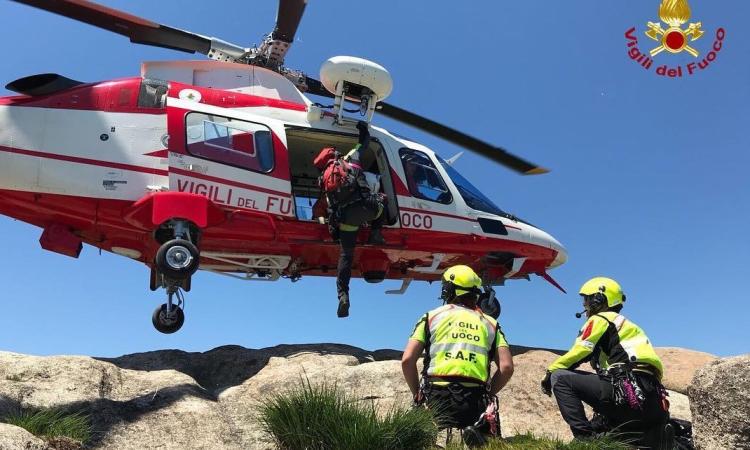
(672, 36)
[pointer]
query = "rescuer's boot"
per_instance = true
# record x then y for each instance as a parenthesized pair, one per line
(343, 310)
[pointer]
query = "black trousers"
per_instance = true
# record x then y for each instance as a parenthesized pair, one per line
(572, 388)
(354, 215)
(456, 406)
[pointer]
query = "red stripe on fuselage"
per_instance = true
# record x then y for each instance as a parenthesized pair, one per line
(436, 213)
(452, 216)
(251, 187)
(86, 161)
(99, 222)
(117, 96)
(158, 153)
(233, 99)
(121, 95)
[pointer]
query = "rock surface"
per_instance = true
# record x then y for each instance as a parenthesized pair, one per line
(172, 399)
(14, 438)
(720, 396)
(680, 365)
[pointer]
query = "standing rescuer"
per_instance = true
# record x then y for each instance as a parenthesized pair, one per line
(351, 203)
(459, 343)
(626, 391)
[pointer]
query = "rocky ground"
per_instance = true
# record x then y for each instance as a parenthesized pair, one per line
(172, 399)
(720, 392)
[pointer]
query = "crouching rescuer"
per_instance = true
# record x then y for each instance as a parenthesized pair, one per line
(626, 391)
(352, 202)
(459, 343)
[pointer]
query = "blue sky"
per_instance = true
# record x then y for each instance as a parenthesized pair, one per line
(649, 177)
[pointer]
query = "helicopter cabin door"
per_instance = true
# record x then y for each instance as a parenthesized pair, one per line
(235, 158)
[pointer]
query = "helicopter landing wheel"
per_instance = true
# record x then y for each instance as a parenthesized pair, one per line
(168, 318)
(168, 323)
(489, 303)
(177, 259)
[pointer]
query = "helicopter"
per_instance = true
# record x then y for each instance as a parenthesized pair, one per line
(208, 164)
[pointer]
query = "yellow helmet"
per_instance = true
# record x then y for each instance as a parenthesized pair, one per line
(604, 288)
(460, 280)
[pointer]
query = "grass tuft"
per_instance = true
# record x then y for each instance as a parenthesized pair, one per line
(52, 423)
(530, 442)
(323, 417)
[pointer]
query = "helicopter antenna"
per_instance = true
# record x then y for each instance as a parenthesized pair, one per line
(454, 158)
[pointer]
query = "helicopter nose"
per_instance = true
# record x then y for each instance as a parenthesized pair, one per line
(547, 240)
(562, 254)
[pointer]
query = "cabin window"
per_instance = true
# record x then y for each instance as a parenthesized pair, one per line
(422, 177)
(229, 141)
(472, 196)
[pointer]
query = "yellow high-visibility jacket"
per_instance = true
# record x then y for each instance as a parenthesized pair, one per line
(460, 344)
(609, 338)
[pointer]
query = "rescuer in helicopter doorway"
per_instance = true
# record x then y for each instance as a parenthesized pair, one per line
(353, 199)
(460, 342)
(626, 391)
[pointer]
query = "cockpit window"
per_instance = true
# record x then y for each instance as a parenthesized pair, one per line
(472, 196)
(422, 177)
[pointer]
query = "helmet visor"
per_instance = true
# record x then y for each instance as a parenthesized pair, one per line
(594, 303)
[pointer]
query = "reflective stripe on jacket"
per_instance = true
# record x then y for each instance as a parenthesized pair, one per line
(609, 338)
(459, 343)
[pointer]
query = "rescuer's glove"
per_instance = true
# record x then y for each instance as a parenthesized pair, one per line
(364, 134)
(417, 400)
(547, 384)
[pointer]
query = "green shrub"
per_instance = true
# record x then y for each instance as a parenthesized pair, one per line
(52, 423)
(323, 417)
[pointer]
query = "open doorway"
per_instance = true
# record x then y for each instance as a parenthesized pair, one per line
(304, 144)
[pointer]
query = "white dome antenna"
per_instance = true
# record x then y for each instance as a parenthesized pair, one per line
(356, 79)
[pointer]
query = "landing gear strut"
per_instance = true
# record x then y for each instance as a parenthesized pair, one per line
(176, 261)
(178, 258)
(169, 317)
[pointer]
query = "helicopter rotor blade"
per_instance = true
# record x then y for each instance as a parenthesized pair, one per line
(137, 29)
(274, 48)
(288, 19)
(315, 87)
(489, 151)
